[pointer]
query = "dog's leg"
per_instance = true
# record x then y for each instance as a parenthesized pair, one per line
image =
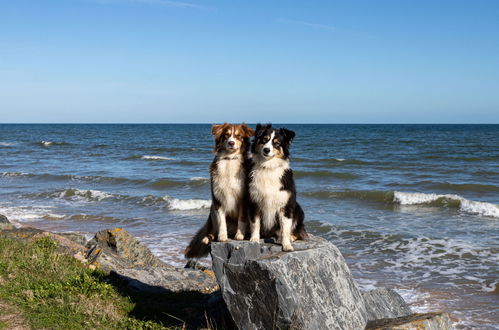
(222, 225)
(285, 224)
(255, 229)
(241, 225)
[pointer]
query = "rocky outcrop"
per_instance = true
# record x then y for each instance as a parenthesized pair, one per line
(116, 250)
(5, 223)
(428, 321)
(310, 288)
(65, 245)
(385, 303)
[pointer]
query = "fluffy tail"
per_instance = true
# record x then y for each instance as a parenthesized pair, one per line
(300, 231)
(200, 244)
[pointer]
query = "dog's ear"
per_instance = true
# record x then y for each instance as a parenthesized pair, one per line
(288, 134)
(258, 126)
(217, 129)
(247, 131)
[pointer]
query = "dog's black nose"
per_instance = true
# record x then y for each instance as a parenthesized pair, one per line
(266, 150)
(231, 143)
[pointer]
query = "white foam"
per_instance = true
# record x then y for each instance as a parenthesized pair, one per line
(13, 174)
(340, 159)
(146, 157)
(84, 195)
(7, 144)
(465, 205)
(176, 204)
(198, 178)
(21, 214)
(46, 143)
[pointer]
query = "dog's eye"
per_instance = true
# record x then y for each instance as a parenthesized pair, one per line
(277, 144)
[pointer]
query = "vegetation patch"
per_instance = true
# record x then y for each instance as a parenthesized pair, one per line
(54, 291)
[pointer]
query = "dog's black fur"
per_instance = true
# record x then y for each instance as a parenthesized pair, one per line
(273, 209)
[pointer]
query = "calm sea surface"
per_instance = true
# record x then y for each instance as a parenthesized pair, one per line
(413, 207)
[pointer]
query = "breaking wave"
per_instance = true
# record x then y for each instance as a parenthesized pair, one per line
(149, 157)
(410, 198)
(74, 194)
(176, 204)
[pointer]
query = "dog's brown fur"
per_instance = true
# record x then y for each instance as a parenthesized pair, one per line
(228, 172)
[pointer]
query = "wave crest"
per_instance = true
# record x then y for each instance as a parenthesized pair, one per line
(175, 204)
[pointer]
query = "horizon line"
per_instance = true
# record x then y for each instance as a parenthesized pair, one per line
(209, 123)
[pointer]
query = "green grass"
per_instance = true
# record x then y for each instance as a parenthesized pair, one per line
(54, 291)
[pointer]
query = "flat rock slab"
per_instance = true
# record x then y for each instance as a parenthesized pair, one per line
(428, 321)
(309, 288)
(385, 303)
(115, 250)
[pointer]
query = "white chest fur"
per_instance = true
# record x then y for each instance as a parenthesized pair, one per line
(228, 184)
(265, 189)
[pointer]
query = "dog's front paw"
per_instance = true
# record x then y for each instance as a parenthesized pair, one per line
(287, 247)
(239, 237)
(255, 239)
(223, 238)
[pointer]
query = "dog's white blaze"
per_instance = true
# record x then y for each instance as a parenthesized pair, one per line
(232, 138)
(265, 189)
(270, 145)
(228, 184)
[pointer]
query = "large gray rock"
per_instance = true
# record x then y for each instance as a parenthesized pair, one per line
(385, 303)
(310, 288)
(115, 250)
(428, 321)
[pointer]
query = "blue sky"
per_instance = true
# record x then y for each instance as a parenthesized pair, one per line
(282, 61)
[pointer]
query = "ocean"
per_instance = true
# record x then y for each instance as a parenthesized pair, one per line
(411, 207)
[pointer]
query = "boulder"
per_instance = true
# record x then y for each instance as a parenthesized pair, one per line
(427, 321)
(117, 251)
(309, 288)
(383, 303)
(5, 223)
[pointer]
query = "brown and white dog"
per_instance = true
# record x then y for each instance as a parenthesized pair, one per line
(273, 209)
(229, 193)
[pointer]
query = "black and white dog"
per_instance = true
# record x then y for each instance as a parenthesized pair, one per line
(229, 193)
(273, 209)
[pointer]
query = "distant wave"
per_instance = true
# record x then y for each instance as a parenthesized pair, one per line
(408, 198)
(156, 158)
(51, 143)
(165, 183)
(325, 174)
(466, 187)
(331, 160)
(148, 157)
(162, 183)
(62, 177)
(7, 144)
(74, 194)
